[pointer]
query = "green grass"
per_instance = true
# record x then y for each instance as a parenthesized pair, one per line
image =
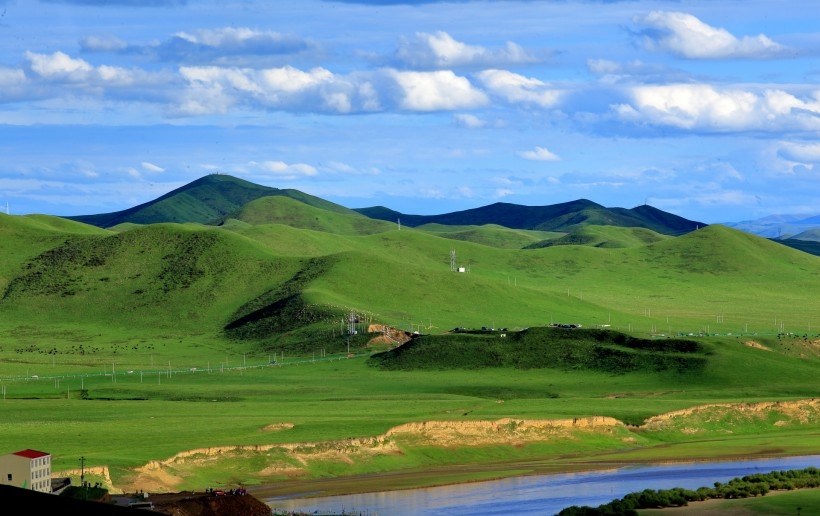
(490, 235)
(147, 415)
(604, 236)
(776, 503)
(296, 214)
(82, 301)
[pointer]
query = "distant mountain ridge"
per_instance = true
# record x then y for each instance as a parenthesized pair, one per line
(214, 198)
(799, 227)
(563, 217)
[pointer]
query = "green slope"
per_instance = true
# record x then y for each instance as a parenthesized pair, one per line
(25, 236)
(205, 279)
(157, 278)
(603, 236)
(490, 235)
(811, 234)
(297, 214)
(561, 217)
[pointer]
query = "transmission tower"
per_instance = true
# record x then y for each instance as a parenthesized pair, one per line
(452, 260)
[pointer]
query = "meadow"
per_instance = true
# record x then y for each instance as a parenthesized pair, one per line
(132, 345)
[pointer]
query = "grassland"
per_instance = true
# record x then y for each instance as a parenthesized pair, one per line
(781, 503)
(132, 346)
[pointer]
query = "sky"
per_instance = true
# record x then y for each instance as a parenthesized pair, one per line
(708, 109)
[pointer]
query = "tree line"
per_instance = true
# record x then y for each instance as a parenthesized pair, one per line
(757, 484)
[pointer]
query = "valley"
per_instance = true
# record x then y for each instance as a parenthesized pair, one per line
(235, 348)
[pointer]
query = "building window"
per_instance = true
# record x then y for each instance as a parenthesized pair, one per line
(9, 477)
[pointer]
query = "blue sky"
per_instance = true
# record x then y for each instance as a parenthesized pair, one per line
(708, 109)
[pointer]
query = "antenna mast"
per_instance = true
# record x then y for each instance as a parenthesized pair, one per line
(452, 260)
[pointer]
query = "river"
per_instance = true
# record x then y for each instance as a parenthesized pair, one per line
(540, 494)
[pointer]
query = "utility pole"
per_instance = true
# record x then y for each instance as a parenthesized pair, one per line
(82, 470)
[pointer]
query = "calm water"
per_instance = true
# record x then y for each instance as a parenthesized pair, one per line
(543, 494)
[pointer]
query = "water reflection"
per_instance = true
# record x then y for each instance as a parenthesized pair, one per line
(543, 494)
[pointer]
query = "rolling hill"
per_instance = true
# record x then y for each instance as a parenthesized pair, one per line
(217, 198)
(280, 268)
(562, 217)
(207, 200)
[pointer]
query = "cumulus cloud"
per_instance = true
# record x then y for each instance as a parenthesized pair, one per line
(685, 35)
(59, 65)
(213, 89)
(62, 68)
(436, 91)
(518, 88)
(539, 154)
(800, 152)
(440, 50)
(711, 108)
(283, 170)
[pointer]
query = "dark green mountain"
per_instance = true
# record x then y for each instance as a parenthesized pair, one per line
(208, 200)
(215, 198)
(564, 217)
(807, 246)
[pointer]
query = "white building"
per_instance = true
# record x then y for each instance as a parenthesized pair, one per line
(29, 469)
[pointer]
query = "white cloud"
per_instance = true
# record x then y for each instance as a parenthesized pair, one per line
(150, 167)
(685, 35)
(716, 109)
(338, 166)
(12, 84)
(214, 89)
(469, 121)
(465, 191)
(283, 170)
(440, 50)
(290, 79)
(208, 46)
(436, 91)
(59, 65)
(517, 88)
(539, 154)
(805, 153)
(102, 44)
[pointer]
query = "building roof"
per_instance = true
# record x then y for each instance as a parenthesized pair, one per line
(31, 454)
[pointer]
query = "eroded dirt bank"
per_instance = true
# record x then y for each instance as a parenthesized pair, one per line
(289, 465)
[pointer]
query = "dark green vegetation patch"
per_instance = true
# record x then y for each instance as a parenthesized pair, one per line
(534, 348)
(758, 484)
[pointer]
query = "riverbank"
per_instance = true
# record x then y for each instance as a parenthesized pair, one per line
(775, 503)
(472, 473)
(540, 494)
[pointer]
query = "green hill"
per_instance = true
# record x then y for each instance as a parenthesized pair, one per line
(250, 276)
(296, 213)
(603, 236)
(558, 217)
(811, 234)
(155, 278)
(217, 199)
(203, 201)
(25, 236)
(490, 235)
(807, 246)
(537, 348)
